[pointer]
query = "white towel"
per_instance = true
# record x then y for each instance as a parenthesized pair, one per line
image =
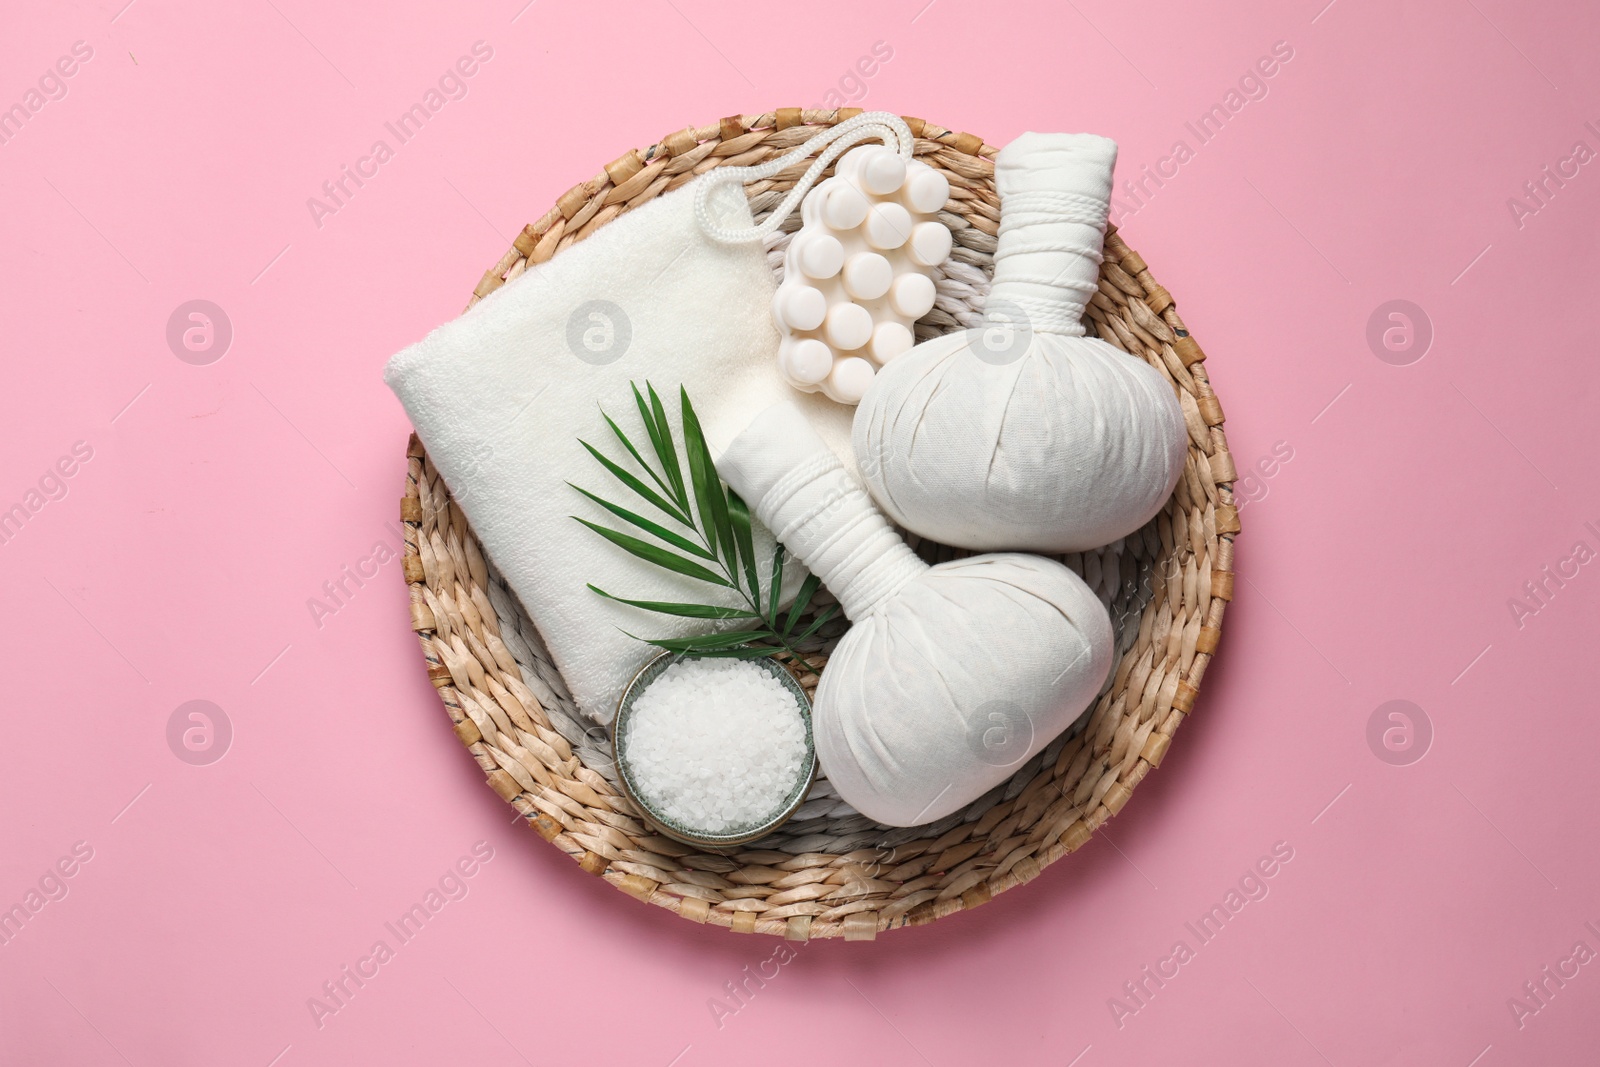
(501, 396)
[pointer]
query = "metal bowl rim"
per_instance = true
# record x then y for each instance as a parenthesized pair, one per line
(713, 841)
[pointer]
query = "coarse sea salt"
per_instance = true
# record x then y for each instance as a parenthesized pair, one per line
(715, 745)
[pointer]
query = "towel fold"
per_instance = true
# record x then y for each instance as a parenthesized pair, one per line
(502, 395)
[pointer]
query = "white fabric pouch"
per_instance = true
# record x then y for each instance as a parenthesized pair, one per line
(950, 676)
(1027, 433)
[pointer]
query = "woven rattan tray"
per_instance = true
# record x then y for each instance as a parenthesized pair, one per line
(830, 872)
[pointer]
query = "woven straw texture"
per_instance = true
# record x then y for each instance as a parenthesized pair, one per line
(830, 872)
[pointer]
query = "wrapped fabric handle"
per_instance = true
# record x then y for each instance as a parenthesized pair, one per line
(801, 492)
(1055, 194)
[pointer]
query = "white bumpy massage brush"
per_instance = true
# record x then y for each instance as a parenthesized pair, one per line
(859, 273)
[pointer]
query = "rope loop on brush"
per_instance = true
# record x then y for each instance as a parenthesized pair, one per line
(883, 126)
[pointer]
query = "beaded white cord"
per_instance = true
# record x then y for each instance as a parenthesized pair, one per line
(884, 126)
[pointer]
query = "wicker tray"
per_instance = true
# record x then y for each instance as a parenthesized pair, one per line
(830, 872)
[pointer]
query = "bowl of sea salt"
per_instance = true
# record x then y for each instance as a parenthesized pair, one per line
(714, 751)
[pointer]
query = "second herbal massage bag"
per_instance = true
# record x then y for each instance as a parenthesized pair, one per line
(1025, 433)
(950, 676)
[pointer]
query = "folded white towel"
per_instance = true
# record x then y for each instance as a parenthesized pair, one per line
(501, 396)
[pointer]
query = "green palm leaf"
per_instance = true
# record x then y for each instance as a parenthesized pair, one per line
(659, 556)
(739, 520)
(709, 497)
(775, 586)
(668, 450)
(649, 421)
(699, 642)
(808, 589)
(634, 452)
(688, 611)
(817, 623)
(720, 520)
(637, 486)
(675, 540)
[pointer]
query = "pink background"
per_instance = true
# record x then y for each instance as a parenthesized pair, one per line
(1377, 564)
